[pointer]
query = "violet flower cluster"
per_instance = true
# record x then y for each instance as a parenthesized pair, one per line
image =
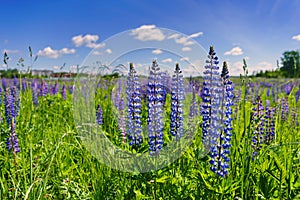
(216, 111)
(134, 104)
(259, 124)
(155, 110)
(270, 123)
(99, 117)
(34, 88)
(177, 97)
(210, 100)
(11, 112)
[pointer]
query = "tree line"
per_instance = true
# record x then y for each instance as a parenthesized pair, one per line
(290, 66)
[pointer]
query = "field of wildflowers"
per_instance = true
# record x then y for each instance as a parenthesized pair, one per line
(249, 129)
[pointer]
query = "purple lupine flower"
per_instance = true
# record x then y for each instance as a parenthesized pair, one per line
(287, 88)
(71, 88)
(297, 95)
(64, 92)
(12, 141)
(54, 89)
(9, 107)
(118, 100)
(155, 110)
(294, 116)
(134, 122)
(117, 97)
(210, 100)
(284, 109)
(24, 85)
(220, 151)
(4, 84)
(177, 96)
(1, 95)
(270, 123)
(99, 116)
(15, 93)
(268, 92)
(259, 123)
(122, 121)
(194, 109)
(34, 87)
(43, 89)
(165, 78)
(16, 83)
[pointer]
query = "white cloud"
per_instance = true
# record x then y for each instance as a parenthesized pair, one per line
(234, 51)
(73, 67)
(173, 36)
(4, 65)
(238, 64)
(52, 53)
(167, 60)
(157, 51)
(8, 51)
(184, 59)
(296, 37)
(67, 51)
(97, 53)
(109, 51)
(196, 35)
(184, 40)
(56, 67)
(148, 33)
(191, 71)
(197, 64)
(88, 40)
(95, 45)
(264, 66)
(186, 49)
(237, 67)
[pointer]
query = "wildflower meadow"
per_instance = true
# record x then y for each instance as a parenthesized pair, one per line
(233, 137)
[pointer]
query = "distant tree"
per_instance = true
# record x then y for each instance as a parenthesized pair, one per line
(291, 64)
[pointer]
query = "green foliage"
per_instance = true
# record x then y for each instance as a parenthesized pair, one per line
(290, 68)
(53, 163)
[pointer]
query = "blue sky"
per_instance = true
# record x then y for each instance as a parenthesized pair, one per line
(66, 31)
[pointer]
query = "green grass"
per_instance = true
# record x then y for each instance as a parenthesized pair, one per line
(54, 164)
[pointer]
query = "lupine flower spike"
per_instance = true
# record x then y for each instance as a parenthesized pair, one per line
(210, 100)
(259, 122)
(155, 110)
(64, 92)
(270, 123)
(99, 118)
(35, 99)
(220, 151)
(177, 96)
(12, 142)
(134, 108)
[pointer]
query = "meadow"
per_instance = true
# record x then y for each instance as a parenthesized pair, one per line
(43, 157)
